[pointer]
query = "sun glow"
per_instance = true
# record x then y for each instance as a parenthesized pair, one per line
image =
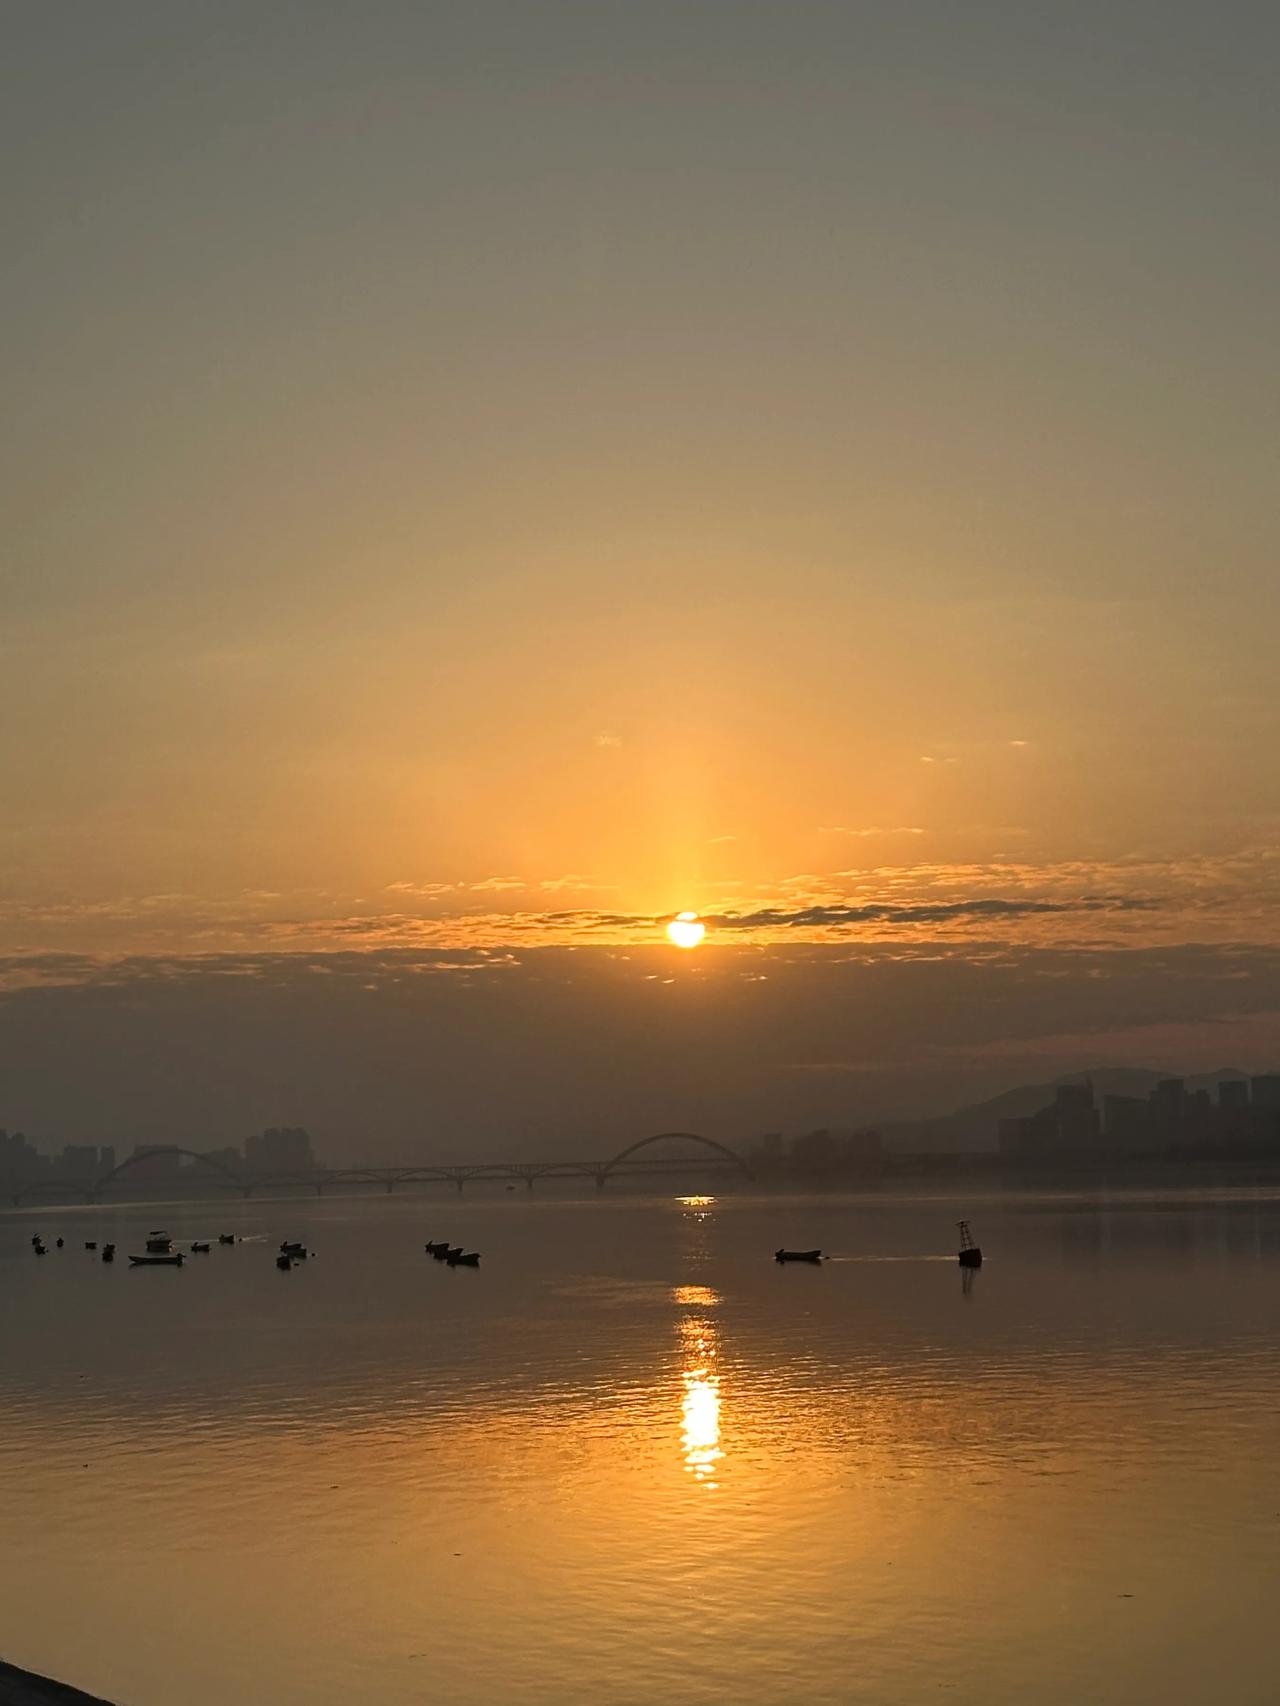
(686, 930)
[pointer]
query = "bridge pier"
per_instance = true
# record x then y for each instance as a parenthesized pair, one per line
(391, 1185)
(458, 1184)
(600, 1179)
(528, 1184)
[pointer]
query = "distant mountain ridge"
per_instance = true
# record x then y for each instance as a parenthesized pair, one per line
(973, 1128)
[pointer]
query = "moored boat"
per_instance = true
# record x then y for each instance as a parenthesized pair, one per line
(797, 1255)
(157, 1259)
(159, 1244)
(226, 1237)
(199, 1249)
(463, 1259)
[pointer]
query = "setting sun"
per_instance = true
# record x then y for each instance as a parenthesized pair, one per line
(686, 930)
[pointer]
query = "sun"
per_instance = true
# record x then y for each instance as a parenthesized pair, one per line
(686, 930)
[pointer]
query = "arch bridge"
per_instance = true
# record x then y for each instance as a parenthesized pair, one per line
(627, 1163)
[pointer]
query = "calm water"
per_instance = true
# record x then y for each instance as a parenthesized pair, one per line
(632, 1460)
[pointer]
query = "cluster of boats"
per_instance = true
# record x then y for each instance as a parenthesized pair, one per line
(160, 1251)
(453, 1254)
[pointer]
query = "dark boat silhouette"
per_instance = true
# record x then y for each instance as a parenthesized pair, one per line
(158, 1244)
(284, 1263)
(91, 1243)
(463, 1259)
(435, 1248)
(969, 1255)
(158, 1259)
(108, 1252)
(198, 1249)
(226, 1237)
(297, 1251)
(797, 1255)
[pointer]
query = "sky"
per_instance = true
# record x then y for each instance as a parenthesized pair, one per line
(480, 478)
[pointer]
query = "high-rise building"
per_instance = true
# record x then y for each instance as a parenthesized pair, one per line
(281, 1149)
(1126, 1121)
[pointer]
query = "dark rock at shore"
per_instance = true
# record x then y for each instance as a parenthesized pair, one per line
(25, 1688)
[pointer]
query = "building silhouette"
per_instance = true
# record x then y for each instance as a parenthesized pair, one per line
(1171, 1121)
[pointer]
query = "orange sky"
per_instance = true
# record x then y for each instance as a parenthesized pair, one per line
(811, 465)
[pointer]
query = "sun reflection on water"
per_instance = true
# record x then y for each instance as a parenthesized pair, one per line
(700, 1405)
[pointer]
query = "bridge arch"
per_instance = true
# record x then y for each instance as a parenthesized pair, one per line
(169, 1149)
(685, 1137)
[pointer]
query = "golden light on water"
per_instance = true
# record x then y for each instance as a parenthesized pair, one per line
(700, 1406)
(686, 930)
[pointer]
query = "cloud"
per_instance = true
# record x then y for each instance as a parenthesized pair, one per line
(573, 885)
(874, 829)
(846, 917)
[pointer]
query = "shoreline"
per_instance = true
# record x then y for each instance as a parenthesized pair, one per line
(26, 1688)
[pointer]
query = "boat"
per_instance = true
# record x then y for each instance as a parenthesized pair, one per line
(435, 1249)
(297, 1251)
(198, 1249)
(91, 1243)
(451, 1255)
(108, 1252)
(226, 1237)
(284, 1263)
(159, 1244)
(471, 1259)
(969, 1255)
(39, 1248)
(797, 1255)
(155, 1259)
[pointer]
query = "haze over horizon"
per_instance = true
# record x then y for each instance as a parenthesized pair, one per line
(481, 480)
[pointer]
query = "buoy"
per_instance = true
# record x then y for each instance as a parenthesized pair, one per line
(970, 1256)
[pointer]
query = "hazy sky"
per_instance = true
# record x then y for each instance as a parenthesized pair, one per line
(481, 476)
